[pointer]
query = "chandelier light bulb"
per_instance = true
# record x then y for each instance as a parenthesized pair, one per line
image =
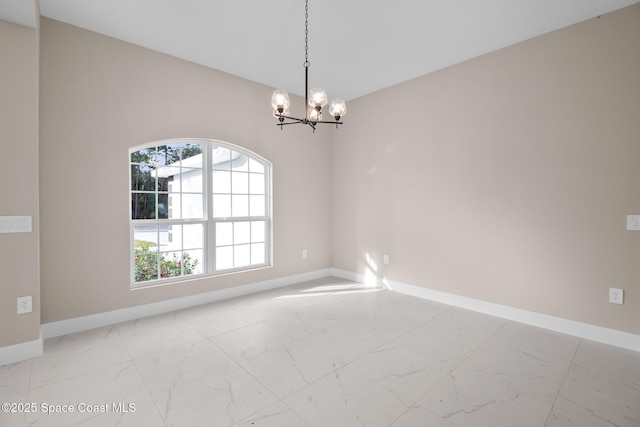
(338, 108)
(318, 98)
(314, 114)
(279, 114)
(280, 101)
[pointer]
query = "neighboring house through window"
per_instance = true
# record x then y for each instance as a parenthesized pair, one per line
(198, 207)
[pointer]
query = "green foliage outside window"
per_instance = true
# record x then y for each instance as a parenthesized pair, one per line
(146, 264)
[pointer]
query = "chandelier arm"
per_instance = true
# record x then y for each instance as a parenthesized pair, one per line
(290, 123)
(295, 120)
(289, 117)
(331, 123)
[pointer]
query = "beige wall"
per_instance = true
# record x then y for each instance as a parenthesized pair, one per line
(19, 252)
(100, 96)
(506, 178)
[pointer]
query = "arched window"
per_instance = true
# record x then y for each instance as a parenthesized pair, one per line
(198, 207)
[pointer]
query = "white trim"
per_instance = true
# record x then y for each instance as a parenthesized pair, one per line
(370, 280)
(570, 327)
(78, 324)
(19, 352)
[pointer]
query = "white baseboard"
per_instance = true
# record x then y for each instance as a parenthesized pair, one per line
(370, 280)
(84, 323)
(19, 352)
(570, 327)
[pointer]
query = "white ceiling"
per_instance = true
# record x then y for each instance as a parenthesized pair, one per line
(355, 46)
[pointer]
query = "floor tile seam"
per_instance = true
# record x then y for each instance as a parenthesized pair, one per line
(390, 342)
(279, 400)
(459, 367)
(161, 391)
(238, 361)
(552, 360)
(146, 386)
(597, 417)
(356, 373)
(334, 371)
(387, 342)
(345, 363)
(155, 405)
(302, 417)
(481, 344)
(383, 307)
(615, 383)
(419, 406)
(227, 331)
(330, 324)
(564, 380)
(121, 340)
(401, 334)
(575, 415)
(355, 315)
(471, 352)
(509, 392)
(399, 416)
(508, 388)
(591, 373)
(422, 395)
(579, 416)
(257, 380)
(414, 401)
(264, 385)
(281, 330)
(222, 350)
(92, 371)
(30, 378)
(474, 349)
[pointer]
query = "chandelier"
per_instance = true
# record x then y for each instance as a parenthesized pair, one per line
(314, 100)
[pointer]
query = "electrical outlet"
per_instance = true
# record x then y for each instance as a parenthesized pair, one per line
(385, 259)
(25, 305)
(616, 296)
(305, 254)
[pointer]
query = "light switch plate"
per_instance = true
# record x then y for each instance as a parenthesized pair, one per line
(15, 224)
(633, 222)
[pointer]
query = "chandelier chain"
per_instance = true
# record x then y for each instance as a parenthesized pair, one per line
(306, 33)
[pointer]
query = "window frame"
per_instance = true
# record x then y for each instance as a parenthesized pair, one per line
(209, 221)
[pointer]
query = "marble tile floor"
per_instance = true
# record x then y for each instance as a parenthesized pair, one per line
(328, 353)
